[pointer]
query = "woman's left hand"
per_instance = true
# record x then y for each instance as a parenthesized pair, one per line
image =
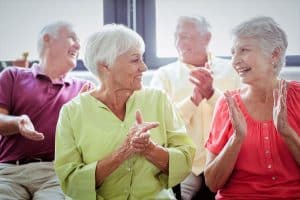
(141, 140)
(280, 109)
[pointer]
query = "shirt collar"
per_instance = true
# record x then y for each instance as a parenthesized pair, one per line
(37, 72)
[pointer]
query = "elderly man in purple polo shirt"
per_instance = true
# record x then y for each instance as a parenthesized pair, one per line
(30, 101)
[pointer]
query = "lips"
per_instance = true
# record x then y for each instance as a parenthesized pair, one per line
(73, 53)
(242, 70)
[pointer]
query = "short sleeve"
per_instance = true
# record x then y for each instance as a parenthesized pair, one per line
(221, 128)
(6, 88)
(293, 105)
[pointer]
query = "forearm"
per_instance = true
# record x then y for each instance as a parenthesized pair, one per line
(159, 156)
(9, 124)
(109, 164)
(219, 170)
(292, 139)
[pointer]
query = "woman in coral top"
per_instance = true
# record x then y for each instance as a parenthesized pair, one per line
(254, 143)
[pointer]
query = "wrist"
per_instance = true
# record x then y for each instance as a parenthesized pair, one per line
(150, 147)
(210, 94)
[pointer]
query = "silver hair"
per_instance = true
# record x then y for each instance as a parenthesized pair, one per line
(51, 29)
(200, 21)
(104, 46)
(269, 34)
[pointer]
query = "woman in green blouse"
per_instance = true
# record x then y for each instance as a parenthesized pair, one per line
(120, 141)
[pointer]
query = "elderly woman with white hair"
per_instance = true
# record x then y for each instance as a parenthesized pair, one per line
(120, 141)
(254, 142)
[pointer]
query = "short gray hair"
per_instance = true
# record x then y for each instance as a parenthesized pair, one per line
(107, 44)
(51, 29)
(200, 21)
(269, 34)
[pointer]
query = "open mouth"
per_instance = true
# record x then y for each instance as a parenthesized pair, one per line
(243, 70)
(72, 53)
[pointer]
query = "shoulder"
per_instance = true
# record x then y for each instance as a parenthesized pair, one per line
(15, 71)
(293, 92)
(77, 101)
(169, 68)
(149, 92)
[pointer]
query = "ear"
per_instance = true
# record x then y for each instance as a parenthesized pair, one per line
(276, 55)
(46, 39)
(102, 68)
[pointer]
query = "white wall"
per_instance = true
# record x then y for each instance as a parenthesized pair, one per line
(21, 21)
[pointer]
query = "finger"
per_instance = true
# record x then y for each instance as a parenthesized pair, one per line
(33, 135)
(85, 88)
(207, 65)
(275, 97)
(148, 126)
(138, 117)
(201, 72)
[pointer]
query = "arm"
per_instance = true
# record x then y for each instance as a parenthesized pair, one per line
(10, 125)
(77, 179)
(219, 167)
(288, 134)
(179, 145)
(137, 140)
(292, 139)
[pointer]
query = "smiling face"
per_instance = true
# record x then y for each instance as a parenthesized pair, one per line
(250, 62)
(63, 48)
(126, 72)
(191, 45)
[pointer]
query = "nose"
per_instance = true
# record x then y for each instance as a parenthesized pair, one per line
(143, 66)
(235, 59)
(77, 45)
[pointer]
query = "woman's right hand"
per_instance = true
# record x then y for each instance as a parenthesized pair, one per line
(237, 118)
(138, 139)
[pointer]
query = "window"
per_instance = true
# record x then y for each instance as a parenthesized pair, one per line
(222, 15)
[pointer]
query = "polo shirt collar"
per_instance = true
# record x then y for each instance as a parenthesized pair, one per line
(37, 72)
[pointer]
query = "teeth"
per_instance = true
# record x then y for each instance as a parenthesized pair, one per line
(73, 53)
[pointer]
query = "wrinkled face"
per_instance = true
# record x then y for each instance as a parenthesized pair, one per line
(64, 48)
(190, 44)
(126, 71)
(250, 62)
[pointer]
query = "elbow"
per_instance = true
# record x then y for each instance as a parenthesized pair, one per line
(211, 181)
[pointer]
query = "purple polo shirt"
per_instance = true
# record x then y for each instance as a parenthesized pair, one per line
(27, 91)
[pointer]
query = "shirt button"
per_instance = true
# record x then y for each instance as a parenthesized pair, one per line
(122, 125)
(270, 166)
(129, 169)
(273, 178)
(267, 151)
(266, 138)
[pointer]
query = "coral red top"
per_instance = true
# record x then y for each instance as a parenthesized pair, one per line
(265, 169)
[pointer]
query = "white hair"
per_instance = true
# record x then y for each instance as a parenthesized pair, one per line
(51, 29)
(202, 24)
(104, 46)
(269, 34)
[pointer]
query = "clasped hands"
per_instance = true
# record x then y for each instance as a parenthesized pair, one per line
(138, 139)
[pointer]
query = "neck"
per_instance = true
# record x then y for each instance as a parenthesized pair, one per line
(52, 70)
(114, 98)
(262, 92)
